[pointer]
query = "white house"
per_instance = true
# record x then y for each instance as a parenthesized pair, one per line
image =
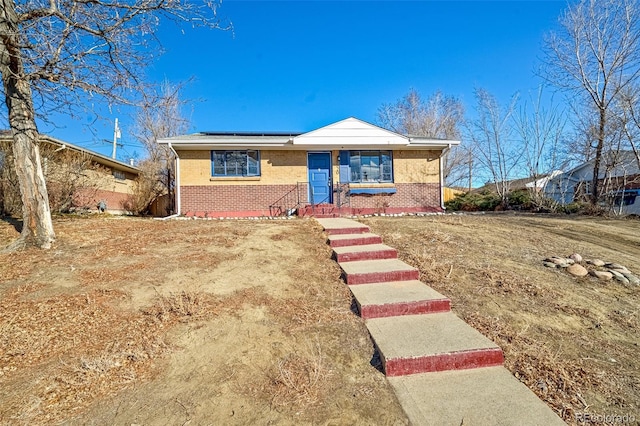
(619, 176)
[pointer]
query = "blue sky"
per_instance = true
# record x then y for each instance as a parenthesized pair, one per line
(298, 65)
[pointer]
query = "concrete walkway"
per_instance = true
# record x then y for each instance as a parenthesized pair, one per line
(443, 371)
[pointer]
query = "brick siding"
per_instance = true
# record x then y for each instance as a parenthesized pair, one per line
(227, 198)
(116, 201)
(243, 200)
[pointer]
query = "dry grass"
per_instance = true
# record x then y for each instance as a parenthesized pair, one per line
(96, 330)
(572, 341)
(300, 379)
(183, 305)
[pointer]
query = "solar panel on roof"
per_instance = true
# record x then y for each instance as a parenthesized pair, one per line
(250, 133)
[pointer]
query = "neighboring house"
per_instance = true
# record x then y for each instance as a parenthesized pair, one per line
(533, 184)
(539, 184)
(81, 178)
(619, 179)
(348, 167)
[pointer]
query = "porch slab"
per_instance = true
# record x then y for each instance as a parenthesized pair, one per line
(378, 271)
(364, 252)
(483, 396)
(333, 226)
(398, 298)
(413, 344)
(360, 239)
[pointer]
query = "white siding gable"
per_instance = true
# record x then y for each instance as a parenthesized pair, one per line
(351, 132)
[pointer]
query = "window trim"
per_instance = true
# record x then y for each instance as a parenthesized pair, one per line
(380, 152)
(246, 173)
(119, 175)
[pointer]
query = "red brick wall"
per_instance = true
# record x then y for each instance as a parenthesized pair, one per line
(235, 199)
(408, 195)
(231, 198)
(116, 201)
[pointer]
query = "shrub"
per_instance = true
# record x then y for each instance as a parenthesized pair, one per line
(520, 199)
(471, 201)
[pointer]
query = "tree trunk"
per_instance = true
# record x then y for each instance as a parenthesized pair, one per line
(595, 182)
(37, 227)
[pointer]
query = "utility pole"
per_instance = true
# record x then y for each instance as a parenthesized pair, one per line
(116, 136)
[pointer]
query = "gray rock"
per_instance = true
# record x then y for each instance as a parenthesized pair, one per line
(632, 278)
(560, 261)
(549, 264)
(577, 270)
(601, 275)
(617, 267)
(576, 257)
(619, 277)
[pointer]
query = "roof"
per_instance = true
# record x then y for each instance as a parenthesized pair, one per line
(350, 133)
(95, 156)
(618, 163)
(520, 183)
(611, 158)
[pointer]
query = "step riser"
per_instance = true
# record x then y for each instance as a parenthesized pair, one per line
(443, 362)
(407, 308)
(366, 255)
(381, 277)
(355, 241)
(343, 231)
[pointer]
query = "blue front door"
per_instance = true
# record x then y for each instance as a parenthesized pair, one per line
(319, 165)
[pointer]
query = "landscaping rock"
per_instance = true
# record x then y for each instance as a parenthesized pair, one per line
(619, 277)
(559, 261)
(632, 278)
(576, 257)
(617, 267)
(601, 275)
(593, 267)
(577, 270)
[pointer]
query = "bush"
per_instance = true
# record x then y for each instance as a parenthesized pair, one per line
(520, 199)
(471, 201)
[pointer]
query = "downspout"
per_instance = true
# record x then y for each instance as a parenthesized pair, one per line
(442, 154)
(177, 196)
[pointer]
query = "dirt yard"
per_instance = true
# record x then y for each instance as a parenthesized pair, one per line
(573, 341)
(132, 321)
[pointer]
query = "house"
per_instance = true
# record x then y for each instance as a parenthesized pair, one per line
(619, 178)
(348, 167)
(77, 178)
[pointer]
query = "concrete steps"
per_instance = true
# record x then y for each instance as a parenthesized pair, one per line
(342, 226)
(481, 396)
(364, 252)
(443, 371)
(378, 271)
(343, 240)
(413, 344)
(396, 298)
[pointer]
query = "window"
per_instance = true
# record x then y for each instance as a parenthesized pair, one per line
(119, 175)
(235, 163)
(370, 166)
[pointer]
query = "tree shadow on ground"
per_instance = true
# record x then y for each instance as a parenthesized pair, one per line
(16, 223)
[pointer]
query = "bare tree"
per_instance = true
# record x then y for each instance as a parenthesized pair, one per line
(541, 130)
(630, 119)
(160, 117)
(439, 116)
(61, 53)
(492, 135)
(595, 56)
